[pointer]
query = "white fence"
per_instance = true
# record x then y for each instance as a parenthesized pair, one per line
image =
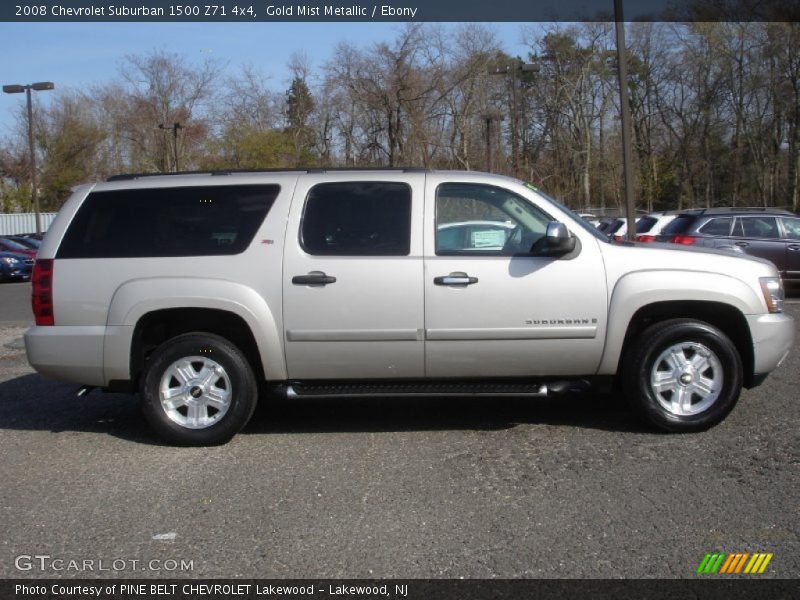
(16, 223)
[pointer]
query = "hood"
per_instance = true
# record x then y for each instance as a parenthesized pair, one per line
(627, 257)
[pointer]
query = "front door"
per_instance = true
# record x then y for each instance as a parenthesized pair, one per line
(352, 280)
(492, 309)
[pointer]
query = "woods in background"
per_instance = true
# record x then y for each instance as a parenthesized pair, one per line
(715, 109)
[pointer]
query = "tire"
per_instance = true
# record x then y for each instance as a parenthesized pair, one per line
(198, 390)
(682, 375)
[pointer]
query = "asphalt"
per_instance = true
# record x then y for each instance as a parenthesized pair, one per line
(570, 487)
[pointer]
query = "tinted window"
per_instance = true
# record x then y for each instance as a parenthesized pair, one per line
(718, 226)
(678, 225)
(645, 224)
(615, 226)
(357, 219)
(482, 219)
(792, 227)
(184, 221)
(759, 227)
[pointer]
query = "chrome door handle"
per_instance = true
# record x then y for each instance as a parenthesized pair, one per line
(742, 244)
(457, 278)
(313, 278)
(794, 247)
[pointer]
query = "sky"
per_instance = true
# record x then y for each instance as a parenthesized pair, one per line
(77, 55)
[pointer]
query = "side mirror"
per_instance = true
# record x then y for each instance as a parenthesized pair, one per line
(556, 241)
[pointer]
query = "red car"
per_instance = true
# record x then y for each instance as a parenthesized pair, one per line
(7, 245)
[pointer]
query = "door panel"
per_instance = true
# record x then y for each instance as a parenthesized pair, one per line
(352, 288)
(759, 236)
(791, 227)
(504, 315)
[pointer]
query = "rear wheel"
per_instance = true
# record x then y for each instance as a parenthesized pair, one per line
(198, 389)
(682, 375)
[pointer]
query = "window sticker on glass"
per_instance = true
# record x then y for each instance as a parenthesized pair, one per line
(488, 238)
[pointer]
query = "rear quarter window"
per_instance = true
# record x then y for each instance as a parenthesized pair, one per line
(182, 221)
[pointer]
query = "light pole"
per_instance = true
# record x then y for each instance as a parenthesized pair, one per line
(18, 89)
(625, 114)
(174, 128)
(490, 116)
(514, 69)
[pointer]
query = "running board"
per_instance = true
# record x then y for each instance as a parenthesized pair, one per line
(452, 389)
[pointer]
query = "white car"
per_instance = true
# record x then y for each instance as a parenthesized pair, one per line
(648, 227)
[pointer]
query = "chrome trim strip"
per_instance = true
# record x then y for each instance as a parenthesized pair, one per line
(579, 332)
(352, 335)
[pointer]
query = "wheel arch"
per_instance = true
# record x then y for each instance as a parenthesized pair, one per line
(644, 297)
(724, 317)
(143, 312)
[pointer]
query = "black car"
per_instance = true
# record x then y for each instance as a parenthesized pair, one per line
(15, 267)
(768, 233)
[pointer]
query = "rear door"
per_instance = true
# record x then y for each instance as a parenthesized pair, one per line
(352, 280)
(759, 235)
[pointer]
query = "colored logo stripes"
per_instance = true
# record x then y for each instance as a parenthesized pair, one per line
(735, 563)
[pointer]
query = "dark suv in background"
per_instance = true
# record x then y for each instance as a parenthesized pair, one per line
(765, 232)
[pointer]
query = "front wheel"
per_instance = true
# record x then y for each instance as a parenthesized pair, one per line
(198, 390)
(682, 375)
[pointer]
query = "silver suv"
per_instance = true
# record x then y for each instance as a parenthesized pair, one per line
(195, 288)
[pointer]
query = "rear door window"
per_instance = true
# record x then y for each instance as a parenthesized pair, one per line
(176, 221)
(366, 218)
(721, 226)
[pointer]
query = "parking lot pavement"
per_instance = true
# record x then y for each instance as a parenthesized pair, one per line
(15, 303)
(569, 487)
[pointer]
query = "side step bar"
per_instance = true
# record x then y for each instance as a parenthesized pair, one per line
(441, 389)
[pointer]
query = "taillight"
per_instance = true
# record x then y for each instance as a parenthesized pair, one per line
(686, 240)
(645, 238)
(42, 298)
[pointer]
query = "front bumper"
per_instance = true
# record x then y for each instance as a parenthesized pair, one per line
(21, 274)
(773, 337)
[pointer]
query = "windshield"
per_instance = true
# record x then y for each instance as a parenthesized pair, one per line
(578, 219)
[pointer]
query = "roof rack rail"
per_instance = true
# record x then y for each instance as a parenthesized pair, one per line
(746, 209)
(222, 172)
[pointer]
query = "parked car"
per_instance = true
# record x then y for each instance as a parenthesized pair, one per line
(649, 226)
(9, 245)
(767, 233)
(618, 229)
(195, 288)
(15, 267)
(29, 242)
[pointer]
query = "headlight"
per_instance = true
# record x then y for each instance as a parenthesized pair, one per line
(11, 261)
(772, 287)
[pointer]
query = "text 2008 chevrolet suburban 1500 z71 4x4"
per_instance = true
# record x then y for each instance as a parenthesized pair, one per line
(194, 289)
